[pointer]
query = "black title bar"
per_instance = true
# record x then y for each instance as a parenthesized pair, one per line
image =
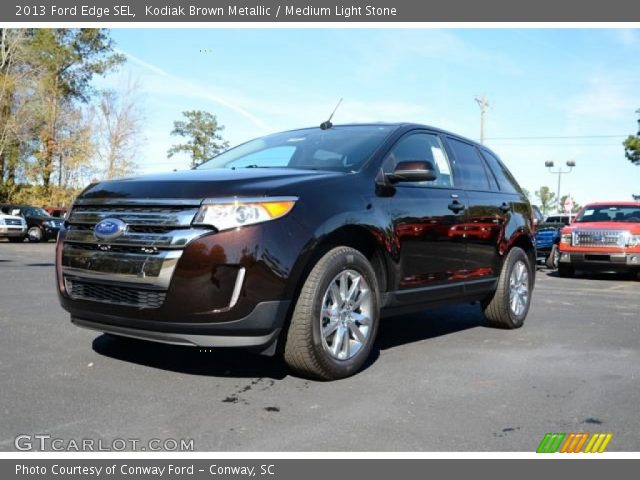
(129, 11)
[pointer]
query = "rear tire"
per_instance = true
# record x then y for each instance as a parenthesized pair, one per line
(565, 271)
(509, 305)
(335, 319)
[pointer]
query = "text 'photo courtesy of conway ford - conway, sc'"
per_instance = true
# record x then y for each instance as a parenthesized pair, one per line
(297, 243)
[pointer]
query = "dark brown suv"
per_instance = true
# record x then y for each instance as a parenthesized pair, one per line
(301, 240)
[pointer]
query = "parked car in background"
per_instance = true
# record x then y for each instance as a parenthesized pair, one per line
(548, 237)
(603, 236)
(301, 240)
(12, 227)
(40, 225)
(563, 218)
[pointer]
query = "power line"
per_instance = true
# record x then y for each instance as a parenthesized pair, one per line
(558, 144)
(570, 137)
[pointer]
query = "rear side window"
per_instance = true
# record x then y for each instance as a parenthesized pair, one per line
(468, 165)
(505, 180)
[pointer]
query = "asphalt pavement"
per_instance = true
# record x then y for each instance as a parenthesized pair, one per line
(439, 380)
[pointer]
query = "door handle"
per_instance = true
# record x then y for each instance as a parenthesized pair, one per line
(505, 207)
(456, 206)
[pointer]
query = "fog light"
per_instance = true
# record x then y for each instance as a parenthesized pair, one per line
(634, 259)
(564, 257)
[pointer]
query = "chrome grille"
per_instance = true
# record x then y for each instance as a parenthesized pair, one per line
(600, 238)
(12, 221)
(172, 238)
(155, 225)
(145, 216)
(114, 294)
(135, 268)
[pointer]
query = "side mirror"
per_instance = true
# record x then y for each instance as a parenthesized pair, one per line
(413, 171)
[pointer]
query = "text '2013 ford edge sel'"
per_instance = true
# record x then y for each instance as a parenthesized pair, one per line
(298, 242)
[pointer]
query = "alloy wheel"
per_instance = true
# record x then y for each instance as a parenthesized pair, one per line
(345, 318)
(519, 288)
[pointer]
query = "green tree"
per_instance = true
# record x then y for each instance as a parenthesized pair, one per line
(49, 135)
(526, 193)
(576, 206)
(64, 62)
(12, 118)
(547, 199)
(632, 145)
(202, 131)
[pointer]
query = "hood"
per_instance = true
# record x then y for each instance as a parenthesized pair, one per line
(604, 226)
(208, 183)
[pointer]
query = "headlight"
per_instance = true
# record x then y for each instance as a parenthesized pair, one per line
(226, 213)
(1, 221)
(634, 240)
(50, 223)
(566, 238)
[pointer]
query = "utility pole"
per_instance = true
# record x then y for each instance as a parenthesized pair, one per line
(560, 172)
(483, 103)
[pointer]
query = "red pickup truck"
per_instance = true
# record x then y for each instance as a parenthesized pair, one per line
(603, 236)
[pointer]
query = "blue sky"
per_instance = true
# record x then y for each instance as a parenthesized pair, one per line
(540, 83)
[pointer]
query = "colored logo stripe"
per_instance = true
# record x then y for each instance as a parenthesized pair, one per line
(550, 443)
(598, 442)
(573, 442)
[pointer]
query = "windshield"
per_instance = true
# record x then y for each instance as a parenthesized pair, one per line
(341, 149)
(610, 213)
(35, 212)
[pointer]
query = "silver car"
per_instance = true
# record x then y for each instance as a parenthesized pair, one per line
(13, 227)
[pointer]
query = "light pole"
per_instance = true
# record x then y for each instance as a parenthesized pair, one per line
(483, 103)
(549, 164)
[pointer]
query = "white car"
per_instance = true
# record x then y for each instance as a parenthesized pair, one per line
(13, 227)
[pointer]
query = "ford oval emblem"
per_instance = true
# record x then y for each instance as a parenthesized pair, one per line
(109, 229)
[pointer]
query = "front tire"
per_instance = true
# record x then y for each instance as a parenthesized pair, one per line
(509, 305)
(35, 234)
(335, 319)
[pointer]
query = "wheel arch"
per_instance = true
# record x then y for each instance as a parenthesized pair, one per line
(358, 237)
(524, 241)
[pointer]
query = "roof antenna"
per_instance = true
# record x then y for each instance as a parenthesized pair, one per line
(327, 125)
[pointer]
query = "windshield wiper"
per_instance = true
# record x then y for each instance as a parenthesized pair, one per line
(253, 165)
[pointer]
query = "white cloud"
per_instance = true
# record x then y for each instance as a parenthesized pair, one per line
(627, 37)
(606, 97)
(175, 84)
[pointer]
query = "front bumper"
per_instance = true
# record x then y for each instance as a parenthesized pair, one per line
(259, 329)
(601, 260)
(207, 288)
(12, 232)
(50, 232)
